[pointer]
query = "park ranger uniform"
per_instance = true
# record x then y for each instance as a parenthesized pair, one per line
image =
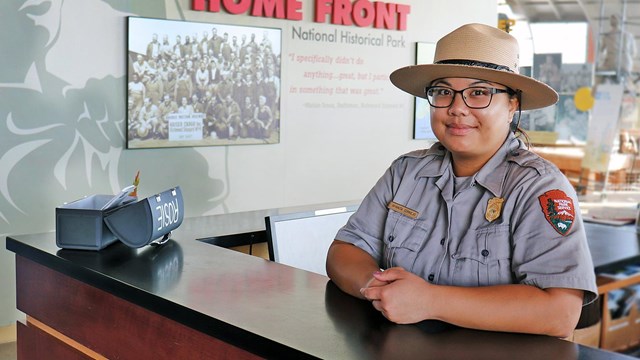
(515, 221)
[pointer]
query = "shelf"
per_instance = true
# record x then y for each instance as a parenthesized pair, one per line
(606, 283)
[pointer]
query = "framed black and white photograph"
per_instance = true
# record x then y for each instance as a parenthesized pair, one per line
(546, 68)
(525, 70)
(202, 84)
(422, 116)
(539, 119)
(575, 76)
(571, 123)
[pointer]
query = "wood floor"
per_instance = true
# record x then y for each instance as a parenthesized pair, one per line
(8, 343)
(8, 351)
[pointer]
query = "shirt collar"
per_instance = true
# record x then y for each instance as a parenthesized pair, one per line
(493, 173)
(437, 151)
(490, 176)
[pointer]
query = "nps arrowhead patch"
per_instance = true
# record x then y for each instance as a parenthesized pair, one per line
(558, 209)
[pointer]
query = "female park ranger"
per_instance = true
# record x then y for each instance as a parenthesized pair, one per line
(476, 231)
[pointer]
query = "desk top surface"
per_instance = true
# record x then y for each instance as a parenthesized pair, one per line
(270, 309)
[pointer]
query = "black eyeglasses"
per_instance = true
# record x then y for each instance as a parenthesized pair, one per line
(475, 97)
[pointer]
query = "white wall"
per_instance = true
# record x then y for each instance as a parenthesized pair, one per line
(62, 105)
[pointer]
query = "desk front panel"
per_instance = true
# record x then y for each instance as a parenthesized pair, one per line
(79, 314)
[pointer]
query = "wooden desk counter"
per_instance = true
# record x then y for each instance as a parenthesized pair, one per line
(623, 168)
(570, 158)
(191, 300)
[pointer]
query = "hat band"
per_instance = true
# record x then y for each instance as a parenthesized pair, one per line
(476, 63)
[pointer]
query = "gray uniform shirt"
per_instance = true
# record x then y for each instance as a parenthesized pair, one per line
(413, 218)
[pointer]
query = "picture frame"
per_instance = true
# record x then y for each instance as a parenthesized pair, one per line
(576, 76)
(422, 111)
(201, 84)
(546, 68)
(571, 124)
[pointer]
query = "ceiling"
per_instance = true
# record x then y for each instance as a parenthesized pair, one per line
(576, 10)
(595, 12)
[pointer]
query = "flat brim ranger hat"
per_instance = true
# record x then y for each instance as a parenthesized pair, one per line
(477, 51)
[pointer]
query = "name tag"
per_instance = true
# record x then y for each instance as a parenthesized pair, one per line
(403, 210)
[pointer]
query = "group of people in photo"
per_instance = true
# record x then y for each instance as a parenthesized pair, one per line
(228, 81)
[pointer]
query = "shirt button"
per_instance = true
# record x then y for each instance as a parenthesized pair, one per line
(442, 242)
(391, 238)
(431, 277)
(485, 252)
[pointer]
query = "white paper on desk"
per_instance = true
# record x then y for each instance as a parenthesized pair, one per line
(611, 215)
(119, 198)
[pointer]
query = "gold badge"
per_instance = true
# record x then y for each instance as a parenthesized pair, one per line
(403, 210)
(494, 208)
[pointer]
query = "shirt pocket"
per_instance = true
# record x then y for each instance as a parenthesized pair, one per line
(403, 238)
(483, 257)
